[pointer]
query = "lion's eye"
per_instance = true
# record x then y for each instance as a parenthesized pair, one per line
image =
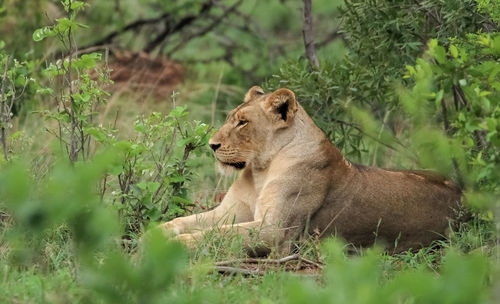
(242, 123)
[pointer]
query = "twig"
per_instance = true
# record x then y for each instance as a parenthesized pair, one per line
(333, 220)
(91, 49)
(311, 262)
(369, 135)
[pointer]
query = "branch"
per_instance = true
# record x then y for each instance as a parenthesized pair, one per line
(329, 38)
(359, 129)
(227, 267)
(208, 28)
(187, 20)
(264, 261)
(131, 26)
(308, 33)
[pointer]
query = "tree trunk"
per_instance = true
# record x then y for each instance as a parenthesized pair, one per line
(308, 36)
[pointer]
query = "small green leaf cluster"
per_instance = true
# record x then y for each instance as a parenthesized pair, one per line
(80, 88)
(491, 8)
(63, 26)
(17, 85)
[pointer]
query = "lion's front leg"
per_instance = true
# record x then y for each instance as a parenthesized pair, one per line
(185, 224)
(229, 211)
(250, 231)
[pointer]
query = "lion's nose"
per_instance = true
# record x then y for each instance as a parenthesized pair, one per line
(215, 146)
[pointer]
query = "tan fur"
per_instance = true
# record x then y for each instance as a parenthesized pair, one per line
(294, 180)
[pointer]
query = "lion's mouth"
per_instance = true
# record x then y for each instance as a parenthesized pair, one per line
(237, 165)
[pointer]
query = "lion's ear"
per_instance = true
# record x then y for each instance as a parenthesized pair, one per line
(252, 93)
(282, 106)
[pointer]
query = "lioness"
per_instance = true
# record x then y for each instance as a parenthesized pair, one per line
(294, 180)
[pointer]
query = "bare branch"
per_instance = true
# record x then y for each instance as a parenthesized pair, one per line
(185, 21)
(208, 28)
(329, 38)
(129, 27)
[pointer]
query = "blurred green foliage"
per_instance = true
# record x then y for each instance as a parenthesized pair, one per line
(458, 89)
(365, 280)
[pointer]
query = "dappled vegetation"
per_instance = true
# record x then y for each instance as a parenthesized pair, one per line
(106, 108)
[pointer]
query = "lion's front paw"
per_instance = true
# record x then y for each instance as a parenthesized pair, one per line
(189, 239)
(171, 227)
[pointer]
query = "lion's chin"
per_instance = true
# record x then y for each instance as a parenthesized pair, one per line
(230, 168)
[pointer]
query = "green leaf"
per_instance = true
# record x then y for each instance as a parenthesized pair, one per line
(76, 5)
(43, 33)
(98, 134)
(175, 179)
(153, 186)
(453, 51)
(17, 134)
(139, 127)
(178, 112)
(491, 124)
(180, 200)
(87, 61)
(411, 69)
(142, 185)
(45, 91)
(439, 97)
(64, 24)
(437, 51)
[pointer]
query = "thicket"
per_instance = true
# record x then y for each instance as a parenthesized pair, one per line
(418, 86)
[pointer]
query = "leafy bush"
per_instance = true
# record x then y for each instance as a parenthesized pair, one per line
(151, 181)
(458, 89)
(382, 38)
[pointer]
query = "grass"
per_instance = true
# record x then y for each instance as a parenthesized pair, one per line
(54, 278)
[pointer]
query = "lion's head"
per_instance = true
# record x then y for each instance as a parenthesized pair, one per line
(256, 130)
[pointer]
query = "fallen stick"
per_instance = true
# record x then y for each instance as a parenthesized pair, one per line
(270, 261)
(264, 261)
(311, 262)
(235, 270)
